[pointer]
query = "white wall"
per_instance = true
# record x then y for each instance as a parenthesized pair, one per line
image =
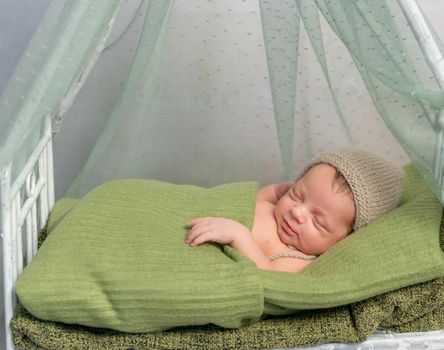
(18, 20)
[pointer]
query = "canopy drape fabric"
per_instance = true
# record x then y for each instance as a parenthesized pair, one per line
(49, 73)
(388, 58)
(224, 91)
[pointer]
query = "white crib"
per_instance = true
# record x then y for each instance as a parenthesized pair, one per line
(27, 199)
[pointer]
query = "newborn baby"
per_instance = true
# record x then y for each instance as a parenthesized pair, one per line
(336, 194)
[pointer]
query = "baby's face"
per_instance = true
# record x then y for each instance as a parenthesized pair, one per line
(312, 216)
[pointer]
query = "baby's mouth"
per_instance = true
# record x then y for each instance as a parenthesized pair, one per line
(287, 228)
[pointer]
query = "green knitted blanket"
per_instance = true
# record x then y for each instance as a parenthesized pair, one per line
(417, 308)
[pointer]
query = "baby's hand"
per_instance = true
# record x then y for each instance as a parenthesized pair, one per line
(218, 230)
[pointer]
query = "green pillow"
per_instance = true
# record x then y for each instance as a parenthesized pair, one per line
(117, 259)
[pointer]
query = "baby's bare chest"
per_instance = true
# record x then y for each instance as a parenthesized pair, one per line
(265, 230)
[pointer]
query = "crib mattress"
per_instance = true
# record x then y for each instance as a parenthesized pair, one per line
(387, 340)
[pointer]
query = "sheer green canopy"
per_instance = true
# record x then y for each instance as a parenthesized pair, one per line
(216, 91)
(48, 73)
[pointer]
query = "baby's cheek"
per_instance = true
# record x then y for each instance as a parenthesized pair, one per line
(277, 211)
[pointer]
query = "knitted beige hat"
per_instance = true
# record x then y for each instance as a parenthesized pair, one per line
(375, 183)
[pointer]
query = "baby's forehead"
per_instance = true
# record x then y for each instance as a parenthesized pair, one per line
(325, 186)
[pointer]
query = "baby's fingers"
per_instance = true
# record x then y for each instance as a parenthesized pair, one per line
(195, 232)
(201, 238)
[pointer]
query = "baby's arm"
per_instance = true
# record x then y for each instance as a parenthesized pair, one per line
(272, 193)
(226, 231)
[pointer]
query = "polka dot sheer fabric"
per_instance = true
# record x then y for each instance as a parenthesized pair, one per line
(210, 92)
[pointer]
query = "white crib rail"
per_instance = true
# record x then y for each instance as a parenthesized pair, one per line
(433, 55)
(25, 205)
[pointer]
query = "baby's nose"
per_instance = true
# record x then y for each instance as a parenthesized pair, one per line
(299, 213)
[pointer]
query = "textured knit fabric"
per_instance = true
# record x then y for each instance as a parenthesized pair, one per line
(417, 308)
(119, 260)
(376, 184)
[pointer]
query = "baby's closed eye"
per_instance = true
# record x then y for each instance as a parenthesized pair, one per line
(293, 194)
(321, 224)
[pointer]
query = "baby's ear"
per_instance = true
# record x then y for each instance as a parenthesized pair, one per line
(351, 228)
